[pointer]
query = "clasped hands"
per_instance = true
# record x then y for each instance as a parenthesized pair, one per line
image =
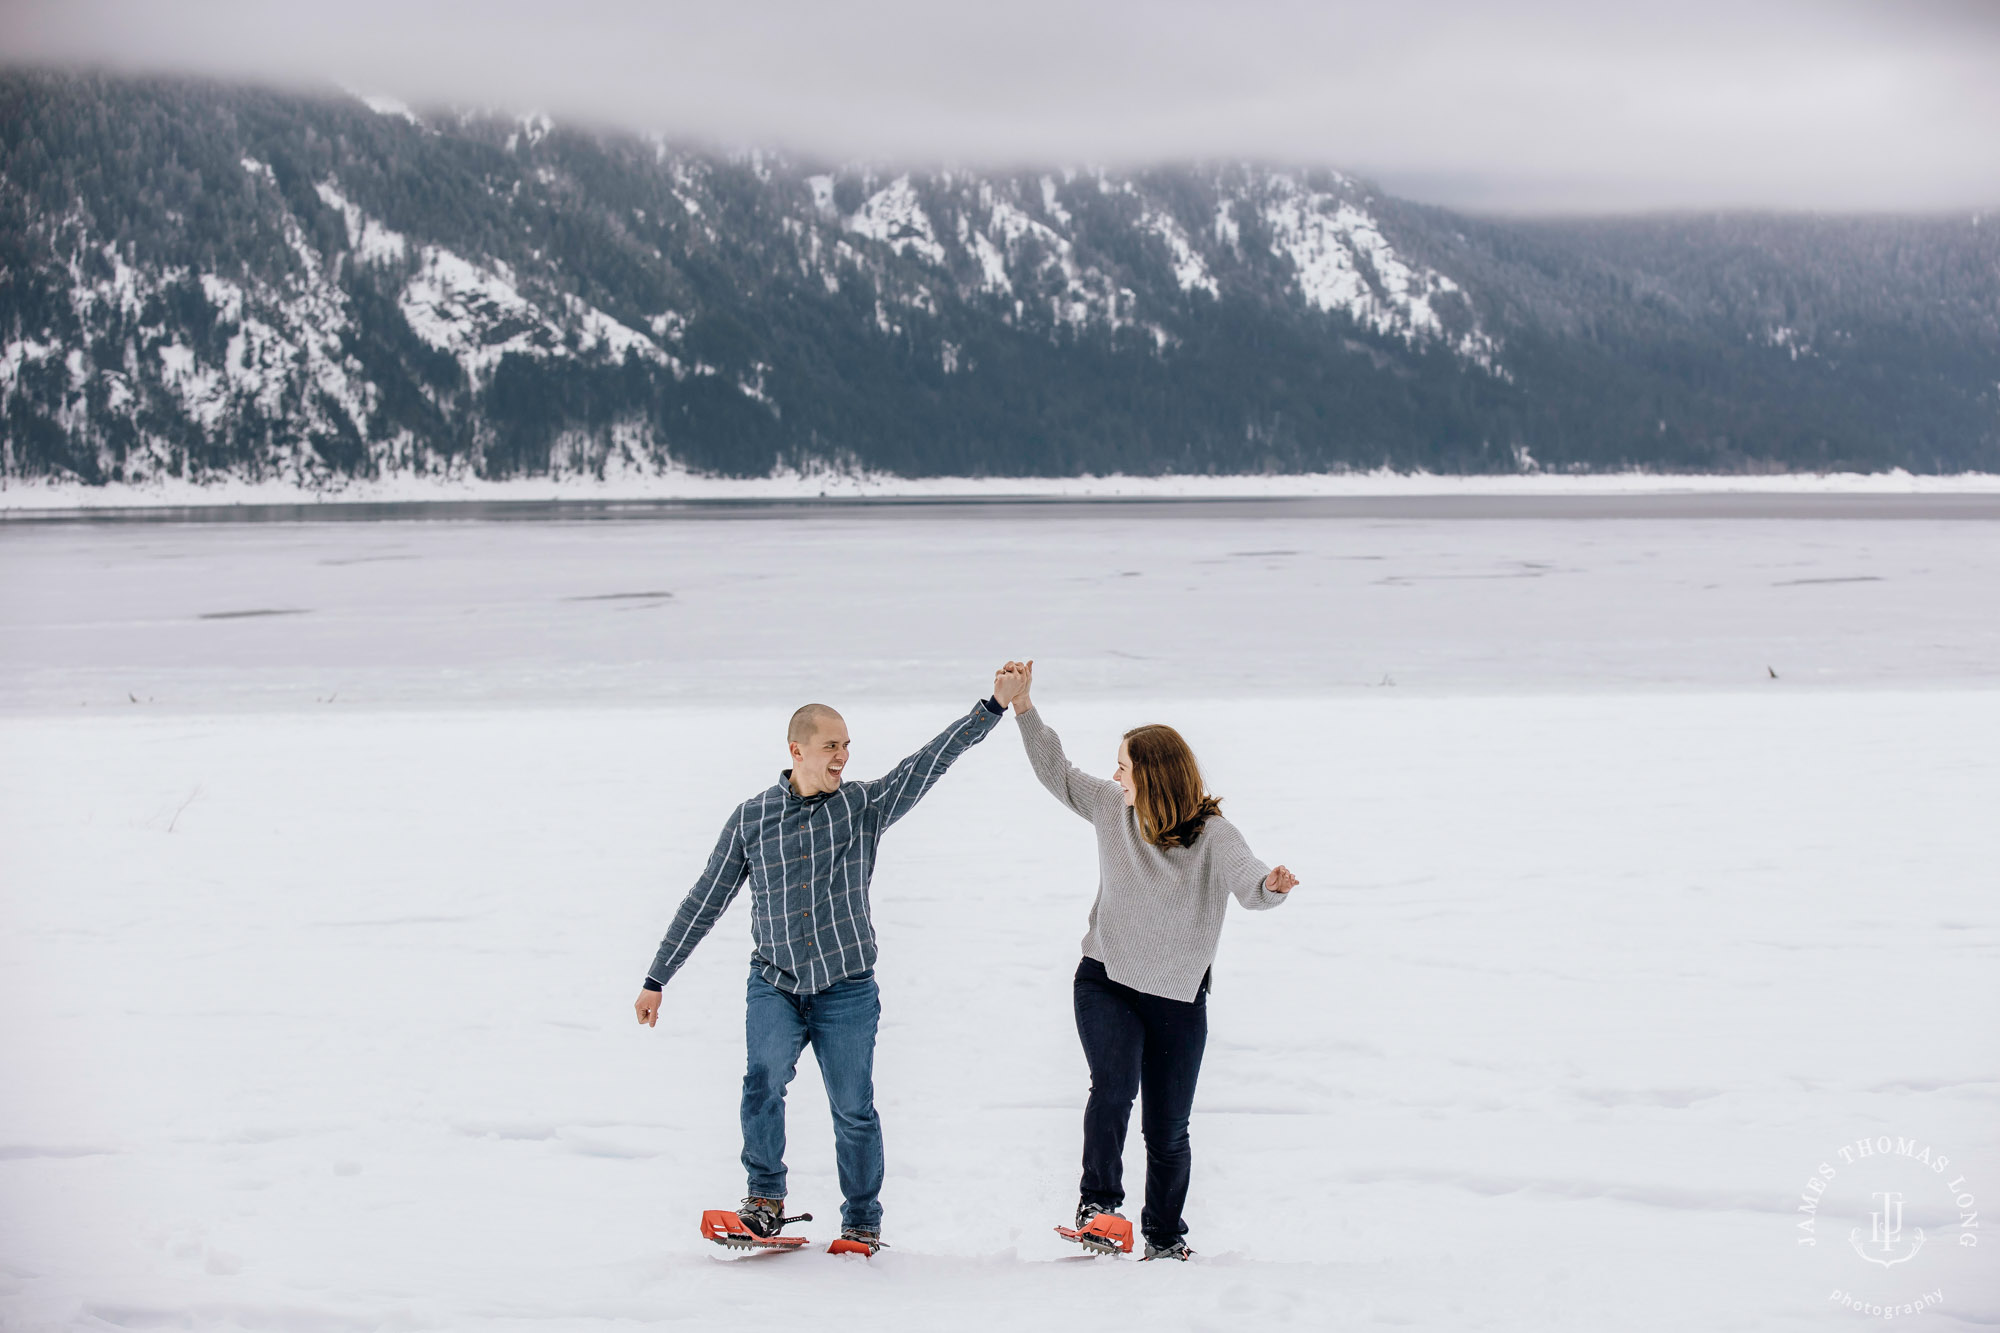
(1010, 685)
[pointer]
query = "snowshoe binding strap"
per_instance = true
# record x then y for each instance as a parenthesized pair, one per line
(767, 1217)
(1087, 1210)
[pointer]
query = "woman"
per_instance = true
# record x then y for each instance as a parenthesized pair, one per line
(1167, 863)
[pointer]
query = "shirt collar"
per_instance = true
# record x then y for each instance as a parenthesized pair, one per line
(792, 793)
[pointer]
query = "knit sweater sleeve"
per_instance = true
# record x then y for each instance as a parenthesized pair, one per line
(1232, 865)
(1066, 782)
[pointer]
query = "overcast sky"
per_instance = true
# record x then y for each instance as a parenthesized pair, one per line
(1551, 106)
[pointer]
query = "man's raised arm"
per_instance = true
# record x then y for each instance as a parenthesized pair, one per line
(699, 911)
(897, 792)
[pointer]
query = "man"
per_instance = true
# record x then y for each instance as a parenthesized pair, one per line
(807, 847)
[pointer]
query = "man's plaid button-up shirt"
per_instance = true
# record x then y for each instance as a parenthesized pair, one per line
(808, 860)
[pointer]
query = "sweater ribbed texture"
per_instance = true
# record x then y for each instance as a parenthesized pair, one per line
(1159, 910)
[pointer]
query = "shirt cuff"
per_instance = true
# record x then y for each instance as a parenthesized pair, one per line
(994, 706)
(652, 984)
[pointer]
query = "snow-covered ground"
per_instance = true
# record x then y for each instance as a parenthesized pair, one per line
(680, 484)
(318, 1013)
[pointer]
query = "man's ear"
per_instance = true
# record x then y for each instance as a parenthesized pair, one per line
(796, 752)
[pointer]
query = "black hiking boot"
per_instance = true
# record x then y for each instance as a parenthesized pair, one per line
(864, 1236)
(767, 1217)
(1085, 1210)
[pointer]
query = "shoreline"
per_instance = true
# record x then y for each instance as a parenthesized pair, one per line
(52, 499)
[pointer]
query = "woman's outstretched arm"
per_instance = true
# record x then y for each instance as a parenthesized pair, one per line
(1065, 781)
(1257, 886)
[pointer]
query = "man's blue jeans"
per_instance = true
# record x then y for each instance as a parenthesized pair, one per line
(840, 1023)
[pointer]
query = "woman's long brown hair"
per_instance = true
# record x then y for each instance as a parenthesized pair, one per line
(1172, 804)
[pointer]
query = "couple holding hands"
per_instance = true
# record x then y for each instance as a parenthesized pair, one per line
(1168, 863)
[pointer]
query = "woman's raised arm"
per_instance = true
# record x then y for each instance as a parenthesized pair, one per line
(1065, 781)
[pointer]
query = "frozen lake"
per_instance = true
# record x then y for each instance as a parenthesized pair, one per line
(318, 960)
(636, 603)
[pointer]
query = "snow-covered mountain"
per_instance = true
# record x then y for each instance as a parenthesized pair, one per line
(200, 281)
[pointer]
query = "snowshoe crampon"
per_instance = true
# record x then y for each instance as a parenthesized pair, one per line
(1106, 1233)
(727, 1229)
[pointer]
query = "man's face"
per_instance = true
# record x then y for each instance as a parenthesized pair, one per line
(818, 762)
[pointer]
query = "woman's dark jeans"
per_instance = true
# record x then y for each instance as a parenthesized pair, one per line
(1139, 1044)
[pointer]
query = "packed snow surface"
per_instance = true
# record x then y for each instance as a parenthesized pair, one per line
(318, 959)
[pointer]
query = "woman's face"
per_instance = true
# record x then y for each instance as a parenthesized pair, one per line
(1123, 774)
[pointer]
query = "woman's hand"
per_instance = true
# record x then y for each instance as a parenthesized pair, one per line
(1280, 880)
(1020, 675)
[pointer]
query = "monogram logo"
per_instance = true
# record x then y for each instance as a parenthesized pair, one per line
(1885, 1232)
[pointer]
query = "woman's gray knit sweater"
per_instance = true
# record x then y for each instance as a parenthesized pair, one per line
(1159, 910)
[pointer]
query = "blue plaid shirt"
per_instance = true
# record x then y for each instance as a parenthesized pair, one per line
(809, 860)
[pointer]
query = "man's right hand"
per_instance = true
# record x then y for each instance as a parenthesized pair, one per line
(648, 1007)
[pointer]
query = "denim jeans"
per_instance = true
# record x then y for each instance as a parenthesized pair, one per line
(840, 1023)
(1139, 1043)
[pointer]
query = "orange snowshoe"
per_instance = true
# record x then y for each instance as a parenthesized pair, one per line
(1101, 1233)
(727, 1229)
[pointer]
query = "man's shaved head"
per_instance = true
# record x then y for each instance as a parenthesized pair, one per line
(807, 722)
